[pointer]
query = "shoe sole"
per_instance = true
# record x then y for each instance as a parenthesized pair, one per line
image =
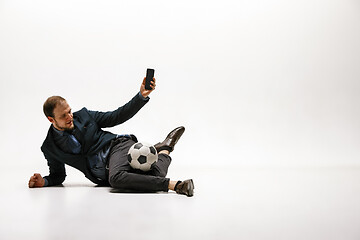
(190, 189)
(179, 136)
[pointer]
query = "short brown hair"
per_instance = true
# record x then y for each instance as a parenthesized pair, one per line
(50, 105)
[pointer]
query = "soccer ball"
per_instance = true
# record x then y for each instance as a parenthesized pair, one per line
(142, 156)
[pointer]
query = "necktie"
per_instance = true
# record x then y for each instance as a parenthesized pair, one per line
(73, 143)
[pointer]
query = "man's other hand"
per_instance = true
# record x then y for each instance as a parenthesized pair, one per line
(145, 92)
(36, 181)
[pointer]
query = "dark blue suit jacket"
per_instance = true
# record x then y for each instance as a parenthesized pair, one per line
(92, 139)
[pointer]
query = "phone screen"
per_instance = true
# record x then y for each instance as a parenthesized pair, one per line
(149, 77)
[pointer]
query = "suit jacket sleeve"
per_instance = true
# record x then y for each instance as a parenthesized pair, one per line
(120, 115)
(57, 172)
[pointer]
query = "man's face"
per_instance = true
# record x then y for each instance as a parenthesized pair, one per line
(63, 117)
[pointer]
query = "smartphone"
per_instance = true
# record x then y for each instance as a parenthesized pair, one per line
(149, 77)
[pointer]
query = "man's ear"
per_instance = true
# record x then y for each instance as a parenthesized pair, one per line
(50, 119)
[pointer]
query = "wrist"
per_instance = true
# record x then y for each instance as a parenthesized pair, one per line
(144, 96)
(46, 182)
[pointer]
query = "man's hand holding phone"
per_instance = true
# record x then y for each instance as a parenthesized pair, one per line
(148, 84)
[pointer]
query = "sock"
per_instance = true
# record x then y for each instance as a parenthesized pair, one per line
(165, 148)
(178, 182)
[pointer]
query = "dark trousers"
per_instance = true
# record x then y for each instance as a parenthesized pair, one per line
(123, 176)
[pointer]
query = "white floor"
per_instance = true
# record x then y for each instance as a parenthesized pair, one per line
(247, 203)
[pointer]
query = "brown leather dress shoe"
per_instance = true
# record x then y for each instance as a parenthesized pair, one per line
(186, 187)
(170, 141)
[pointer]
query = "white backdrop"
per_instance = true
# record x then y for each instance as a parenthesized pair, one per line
(254, 82)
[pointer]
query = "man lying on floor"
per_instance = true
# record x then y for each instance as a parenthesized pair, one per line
(77, 139)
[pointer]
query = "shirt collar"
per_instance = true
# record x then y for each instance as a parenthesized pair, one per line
(60, 133)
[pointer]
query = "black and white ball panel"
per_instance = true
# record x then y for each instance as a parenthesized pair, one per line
(142, 156)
